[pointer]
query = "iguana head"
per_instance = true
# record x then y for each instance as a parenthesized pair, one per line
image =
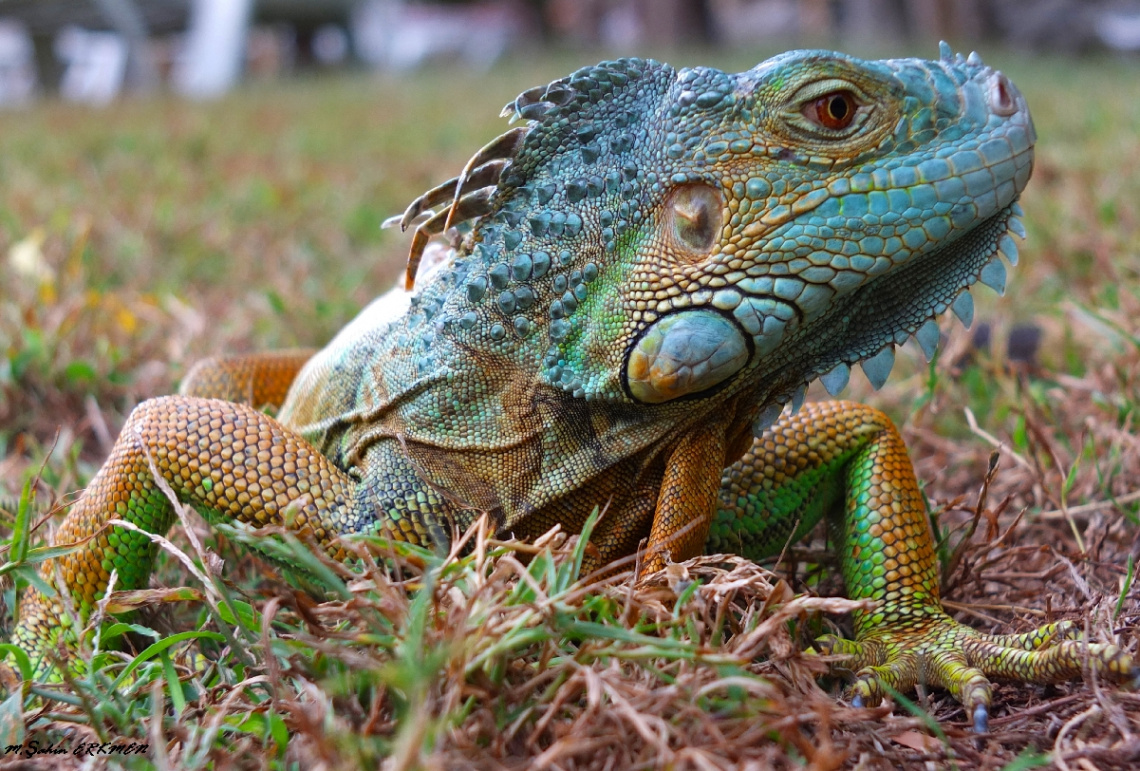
(656, 236)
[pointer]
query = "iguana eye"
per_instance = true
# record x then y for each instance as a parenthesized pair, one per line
(834, 111)
(696, 213)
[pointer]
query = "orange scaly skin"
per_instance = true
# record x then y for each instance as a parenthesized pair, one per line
(641, 277)
(261, 380)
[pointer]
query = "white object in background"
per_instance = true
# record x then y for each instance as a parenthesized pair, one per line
(397, 35)
(95, 63)
(211, 59)
(17, 65)
(1120, 29)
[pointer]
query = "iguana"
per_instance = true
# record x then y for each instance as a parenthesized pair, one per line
(641, 276)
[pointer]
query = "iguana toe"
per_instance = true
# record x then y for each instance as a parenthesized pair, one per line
(942, 653)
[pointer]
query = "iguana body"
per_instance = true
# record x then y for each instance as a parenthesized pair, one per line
(646, 271)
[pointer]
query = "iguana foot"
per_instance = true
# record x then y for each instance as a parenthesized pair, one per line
(847, 460)
(939, 651)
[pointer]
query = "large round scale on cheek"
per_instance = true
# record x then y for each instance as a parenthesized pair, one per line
(684, 353)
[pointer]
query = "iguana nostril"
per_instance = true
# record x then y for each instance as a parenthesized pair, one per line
(1003, 96)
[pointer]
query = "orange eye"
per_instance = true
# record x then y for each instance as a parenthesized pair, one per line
(833, 111)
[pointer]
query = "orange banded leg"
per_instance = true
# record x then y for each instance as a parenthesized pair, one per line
(687, 500)
(259, 379)
(230, 462)
(848, 461)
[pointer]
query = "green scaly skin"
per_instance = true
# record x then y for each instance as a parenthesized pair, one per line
(642, 275)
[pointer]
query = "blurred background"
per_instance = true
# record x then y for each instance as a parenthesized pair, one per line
(90, 50)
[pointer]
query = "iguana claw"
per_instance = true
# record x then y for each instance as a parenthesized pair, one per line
(981, 719)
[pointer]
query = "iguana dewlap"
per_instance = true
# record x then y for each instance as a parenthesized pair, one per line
(644, 272)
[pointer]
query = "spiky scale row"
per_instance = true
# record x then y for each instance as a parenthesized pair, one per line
(878, 368)
(928, 337)
(836, 380)
(964, 309)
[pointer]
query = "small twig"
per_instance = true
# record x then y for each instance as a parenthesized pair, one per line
(972, 422)
(223, 711)
(1072, 723)
(211, 593)
(1047, 707)
(1066, 513)
(1085, 508)
(98, 424)
(975, 609)
(964, 543)
(1078, 579)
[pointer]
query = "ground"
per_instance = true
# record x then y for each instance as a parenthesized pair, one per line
(137, 239)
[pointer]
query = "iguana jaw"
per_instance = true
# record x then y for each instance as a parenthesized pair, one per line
(887, 309)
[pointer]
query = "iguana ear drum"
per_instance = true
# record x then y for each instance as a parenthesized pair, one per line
(685, 354)
(695, 215)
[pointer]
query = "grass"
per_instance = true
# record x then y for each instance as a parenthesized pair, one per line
(136, 240)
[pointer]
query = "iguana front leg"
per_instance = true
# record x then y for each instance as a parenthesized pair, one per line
(231, 463)
(687, 500)
(260, 380)
(847, 461)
